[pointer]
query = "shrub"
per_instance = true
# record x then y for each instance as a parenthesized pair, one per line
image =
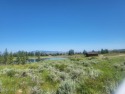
(94, 73)
(11, 73)
(82, 88)
(35, 90)
(94, 62)
(105, 58)
(122, 68)
(33, 67)
(116, 66)
(52, 78)
(75, 73)
(36, 80)
(86, 64)
(0, 86)
(67, 87)
(41, 69)
(63, 76)
(61, 67)
(124, 63)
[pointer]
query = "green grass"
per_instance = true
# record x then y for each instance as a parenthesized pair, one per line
(77, 75)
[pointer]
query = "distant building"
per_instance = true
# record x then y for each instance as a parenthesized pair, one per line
(91, 54)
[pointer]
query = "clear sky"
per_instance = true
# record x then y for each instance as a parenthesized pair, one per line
(62, 24)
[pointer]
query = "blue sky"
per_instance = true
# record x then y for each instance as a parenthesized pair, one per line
(62, 24)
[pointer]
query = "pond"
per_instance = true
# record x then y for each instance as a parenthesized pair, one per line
(43, 59)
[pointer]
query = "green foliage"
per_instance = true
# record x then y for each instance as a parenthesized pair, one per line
(66, 87)
(18, 59)
(11, 73)
(76, 57)
(1, 59)
(0, 86)
(86, 64)
(35, 90)
(38, 55)
(71, 52)
(82, 88)
(104, 51)
(11, 58)
(6, 56)
(61, 67)
(95, 76)
(22, 57)
(84, 52)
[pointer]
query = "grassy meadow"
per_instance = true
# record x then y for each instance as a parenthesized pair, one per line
(75, 75)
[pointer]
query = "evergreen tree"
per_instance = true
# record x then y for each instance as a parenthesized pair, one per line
(38, 55)
(104, 51)
(71, 52)
(11, 58)
(1, 59)
(6, 57)
(84, 52)
(23, 60)
(22, 57)
(26, 54)
(18, 60)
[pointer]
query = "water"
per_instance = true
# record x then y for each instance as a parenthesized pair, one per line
(33, 60)
(53, 58)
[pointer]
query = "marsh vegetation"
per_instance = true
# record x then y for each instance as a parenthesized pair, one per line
(76, 75)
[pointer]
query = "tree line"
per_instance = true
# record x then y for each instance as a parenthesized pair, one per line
(13, 58)
(21, 57)
(102, 51)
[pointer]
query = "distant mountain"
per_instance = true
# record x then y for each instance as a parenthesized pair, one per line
(49, 52)
(118, 50)
(52, 52)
